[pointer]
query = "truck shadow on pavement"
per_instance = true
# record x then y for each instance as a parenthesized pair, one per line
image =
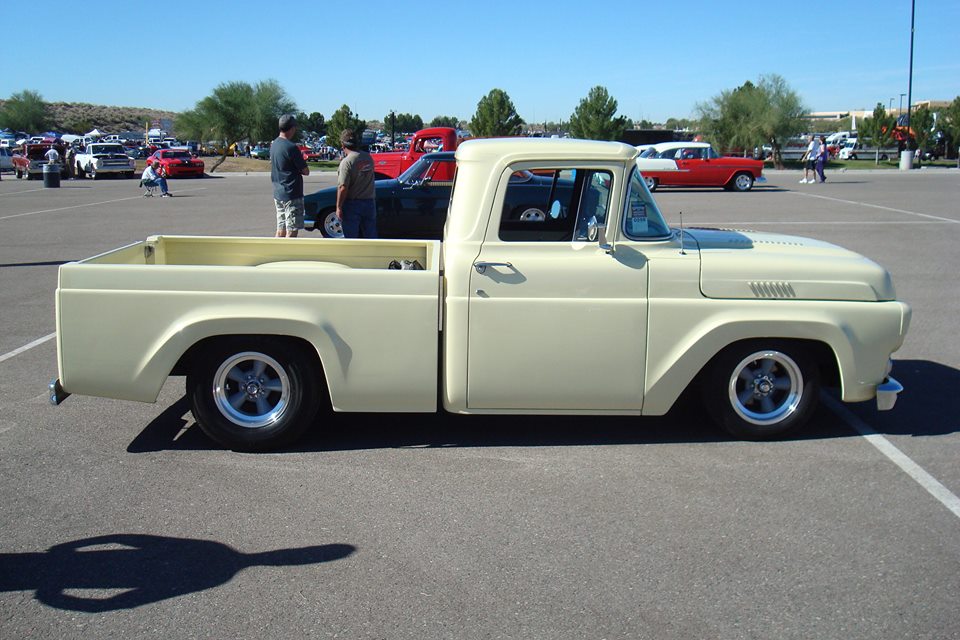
(926, 408)
(126, 570)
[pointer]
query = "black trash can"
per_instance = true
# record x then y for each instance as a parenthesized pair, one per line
(51, 176)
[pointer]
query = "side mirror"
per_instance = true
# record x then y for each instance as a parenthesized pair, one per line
(593, 229)
(556, 210)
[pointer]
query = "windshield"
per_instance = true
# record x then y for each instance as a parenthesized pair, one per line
(420, 169)
(649, 153)
(106, 148)
(642, 219)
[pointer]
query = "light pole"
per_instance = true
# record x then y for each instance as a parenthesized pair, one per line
(890, 108)
(913, 8)
(900, 109)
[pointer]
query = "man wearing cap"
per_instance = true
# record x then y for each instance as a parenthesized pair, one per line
(287, 168)
(356, 204)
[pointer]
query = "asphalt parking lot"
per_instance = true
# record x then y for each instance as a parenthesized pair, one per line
(122, 520)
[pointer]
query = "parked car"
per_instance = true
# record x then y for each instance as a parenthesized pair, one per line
(309, 154)
(6, 159)
(29, 162)
(176, 163)
(262, 153)
(100, 158)
(696, 164)
(415, 205)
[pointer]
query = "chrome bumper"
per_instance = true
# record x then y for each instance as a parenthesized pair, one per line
(57, 394)
(887, 392)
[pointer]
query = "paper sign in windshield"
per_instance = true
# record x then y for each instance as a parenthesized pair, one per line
(638, 217)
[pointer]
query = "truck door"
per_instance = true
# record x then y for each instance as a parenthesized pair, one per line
(555, 321)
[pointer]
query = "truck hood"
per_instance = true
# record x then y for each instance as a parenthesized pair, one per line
(748, 264)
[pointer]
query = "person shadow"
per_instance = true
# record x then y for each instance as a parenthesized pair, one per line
(143, 568)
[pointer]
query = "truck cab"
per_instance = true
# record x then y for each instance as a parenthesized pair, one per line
(391, 164)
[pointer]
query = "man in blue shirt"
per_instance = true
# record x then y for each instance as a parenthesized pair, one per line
(287, 168)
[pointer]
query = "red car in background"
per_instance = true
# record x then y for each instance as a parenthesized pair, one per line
(309, 154)
(696, 164)
(176, 163)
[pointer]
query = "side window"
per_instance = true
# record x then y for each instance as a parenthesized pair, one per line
(554, 205)
(442, 170)
(429, 145)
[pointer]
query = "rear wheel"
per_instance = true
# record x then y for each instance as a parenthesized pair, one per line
(80, 172)
(742, 182)
(651, 183)
(761, 389)
(252, 394)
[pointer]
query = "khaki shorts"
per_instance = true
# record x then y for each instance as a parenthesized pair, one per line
(289, 214)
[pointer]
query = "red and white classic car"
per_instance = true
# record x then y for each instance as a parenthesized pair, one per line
(696, 164)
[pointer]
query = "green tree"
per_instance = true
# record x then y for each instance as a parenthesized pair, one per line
(877, 130)
(227, 114)
(752, 115)
(26, 111)
(950, 123)
(678, 123)
(922, 123)
(445, 121)
(269, 102)
(315, 123)
(405, 122)
(341, 120)
(495, 116)
(595, 117)
(189, 125)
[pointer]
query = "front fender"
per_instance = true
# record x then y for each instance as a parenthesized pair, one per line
(686, 337)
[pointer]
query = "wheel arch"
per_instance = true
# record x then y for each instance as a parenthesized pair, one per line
(688, 360)
(175, 353)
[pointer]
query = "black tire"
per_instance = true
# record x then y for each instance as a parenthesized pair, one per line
(280, 403)
(761, 389)
(81, 174)
(742, 182)
(19, 174)
(884, 157)
(652, 183)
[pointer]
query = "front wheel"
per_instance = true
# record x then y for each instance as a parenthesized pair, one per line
(252, 394)
(761, 389)
(651, 183)
(742, 182)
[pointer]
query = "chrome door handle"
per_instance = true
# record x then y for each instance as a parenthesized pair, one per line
(482, 266)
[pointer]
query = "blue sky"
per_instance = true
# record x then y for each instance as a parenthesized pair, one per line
(657, 59)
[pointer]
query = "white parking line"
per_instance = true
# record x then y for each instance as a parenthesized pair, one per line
(899, 458)
(874, 206)
(27, 347)
(13, 193)
(91, 204)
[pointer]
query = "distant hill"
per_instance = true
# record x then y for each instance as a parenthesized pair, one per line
(80, 117)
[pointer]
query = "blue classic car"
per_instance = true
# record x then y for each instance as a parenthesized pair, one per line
(414, 206)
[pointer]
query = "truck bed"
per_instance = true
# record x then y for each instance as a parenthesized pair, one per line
(125, 317)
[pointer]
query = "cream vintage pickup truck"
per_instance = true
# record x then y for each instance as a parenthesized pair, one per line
(578, 300)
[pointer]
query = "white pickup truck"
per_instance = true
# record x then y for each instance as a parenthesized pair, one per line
(593, 307)
(101, 158)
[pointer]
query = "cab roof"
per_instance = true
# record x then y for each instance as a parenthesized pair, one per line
(543, 149)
